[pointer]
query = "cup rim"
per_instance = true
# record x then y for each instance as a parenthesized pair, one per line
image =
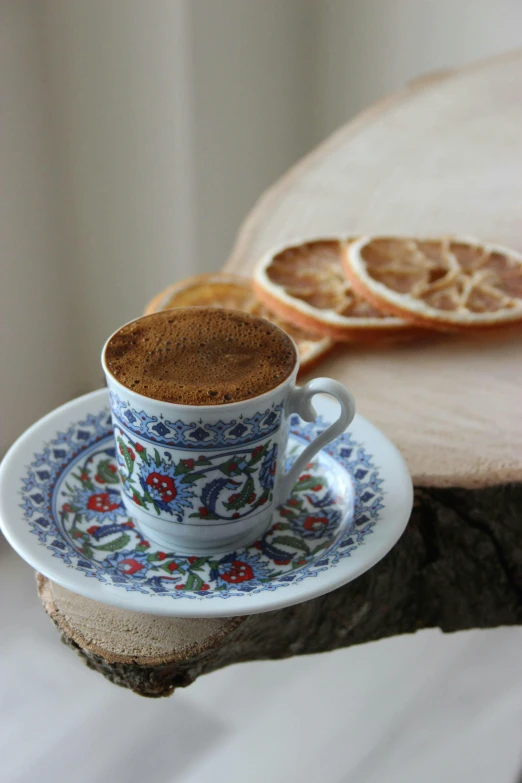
(219, 406)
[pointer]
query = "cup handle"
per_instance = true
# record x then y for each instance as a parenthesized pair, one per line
(301, 403)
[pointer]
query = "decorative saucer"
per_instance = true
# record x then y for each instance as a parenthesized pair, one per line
(60, 508)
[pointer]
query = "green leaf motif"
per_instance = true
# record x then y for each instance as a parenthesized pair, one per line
(86, 481)
(230, 466)
(261, 500)
(242, 499)
(261, 453)
(106, 473)
(113, 546)
(191, 478)
(157, 458)
(308, 484)
(166, 567)
(129, 462)
(295, 543)
(194, 582)
(198, 564)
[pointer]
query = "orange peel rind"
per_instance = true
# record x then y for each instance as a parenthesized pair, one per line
(305, 283)
(447, 283)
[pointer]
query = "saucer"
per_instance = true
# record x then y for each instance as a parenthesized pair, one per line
(61, 509)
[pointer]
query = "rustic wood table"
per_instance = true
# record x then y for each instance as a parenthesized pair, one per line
(442, 156)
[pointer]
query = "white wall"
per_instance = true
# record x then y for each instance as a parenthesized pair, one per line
(37, 357)
(254, 67)
(122, 101)
(136, 136)
(369, 48)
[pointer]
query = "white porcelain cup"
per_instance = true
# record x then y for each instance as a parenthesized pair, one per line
(206, 478)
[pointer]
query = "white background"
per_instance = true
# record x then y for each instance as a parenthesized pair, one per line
(134, 138)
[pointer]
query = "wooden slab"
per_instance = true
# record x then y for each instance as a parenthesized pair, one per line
(445, 155)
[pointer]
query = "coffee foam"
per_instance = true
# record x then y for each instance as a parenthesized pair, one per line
(200, 356)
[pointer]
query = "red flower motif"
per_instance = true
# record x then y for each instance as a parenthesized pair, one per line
(92, 529)
(84, 476)
(239, 572)
(314, 523)
(136, 499)
(192, 559)
(203, 512)
(180, 587)
(257, 544)
(205, 587)
(252, 497)
(257, 451)
(262, 501)
(145, 544)
(66, 507)
(131, 566)
(281, 562)
(164, 486)
(128, 524)
(293, 502)
(173, 566)
(277, 526)
(161, 555)
(236, 515)
(99, 479)
(285, 512)
(102, 502)
(189, 463)
(78, 534)
(232, 466)
(233, 498)
(317, 488)
(139, 448)
(113, 468)
(304, 477)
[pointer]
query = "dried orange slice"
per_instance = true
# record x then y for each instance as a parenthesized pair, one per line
(222, 290)
(305, 284)
(446, 283)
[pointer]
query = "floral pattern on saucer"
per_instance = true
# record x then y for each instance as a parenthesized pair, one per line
(72, 502)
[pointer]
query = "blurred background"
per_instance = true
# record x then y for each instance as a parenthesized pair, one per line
(135, 137)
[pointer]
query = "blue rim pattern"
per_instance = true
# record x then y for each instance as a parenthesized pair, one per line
(196, 434)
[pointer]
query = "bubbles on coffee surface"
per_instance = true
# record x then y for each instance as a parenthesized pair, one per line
(200, 356)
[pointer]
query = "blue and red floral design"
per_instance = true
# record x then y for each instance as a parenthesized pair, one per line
(71, 499)
(224, 487)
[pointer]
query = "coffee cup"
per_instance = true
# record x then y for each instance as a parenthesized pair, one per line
(205, 478)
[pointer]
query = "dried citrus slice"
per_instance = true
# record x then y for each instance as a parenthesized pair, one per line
(222, 290)
(305, 284)
(446, 283)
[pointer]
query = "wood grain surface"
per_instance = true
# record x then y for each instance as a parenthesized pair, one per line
(443, 156)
